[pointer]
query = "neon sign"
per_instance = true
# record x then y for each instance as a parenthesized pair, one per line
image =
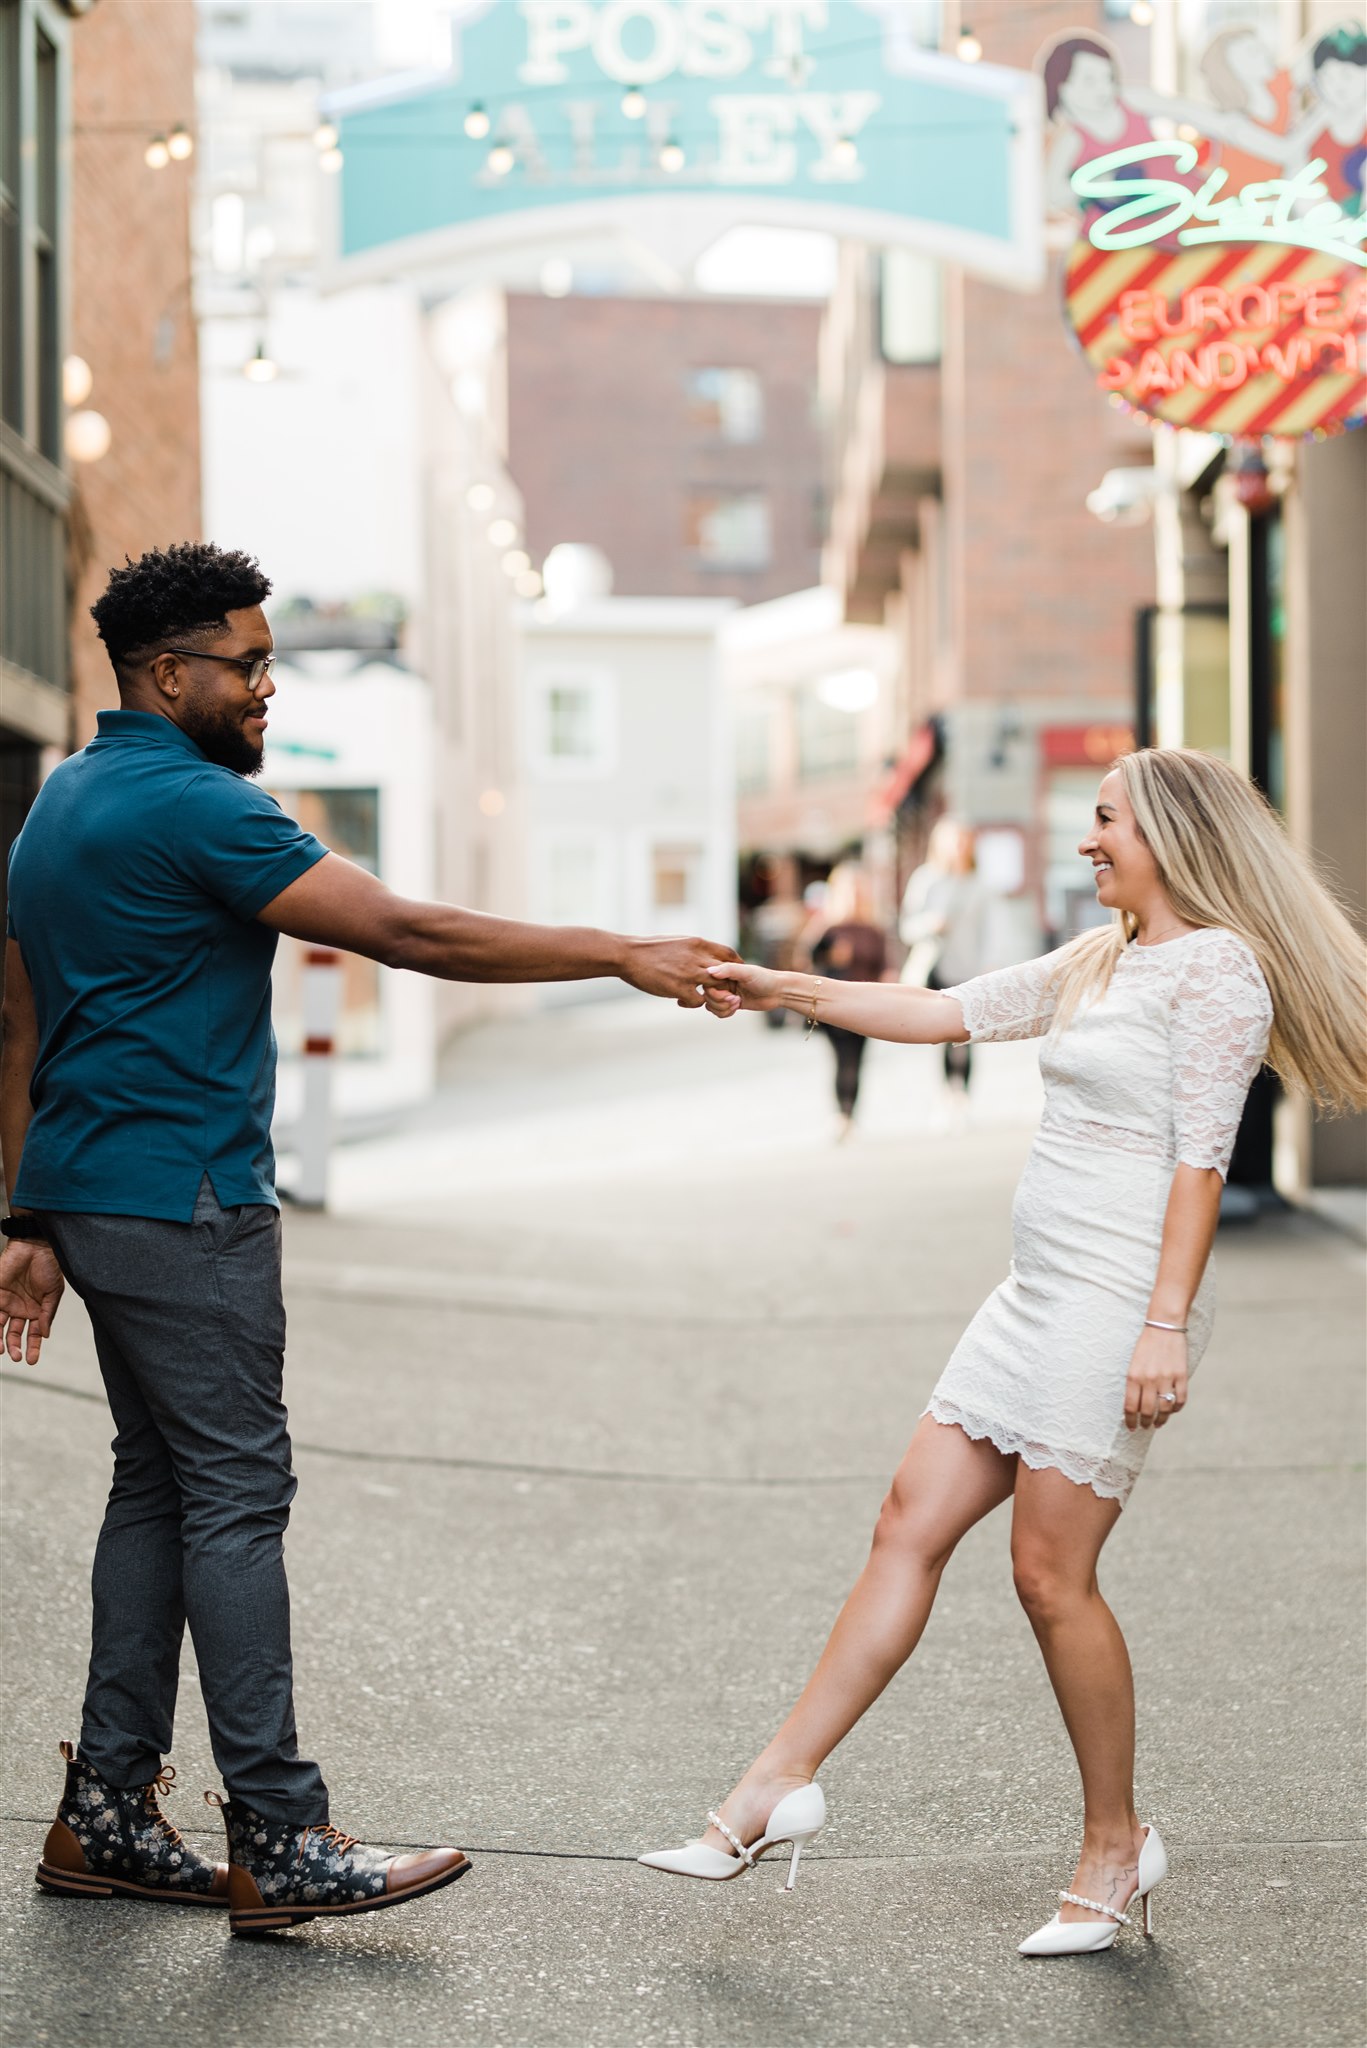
(1218, 281)
(1152, 208)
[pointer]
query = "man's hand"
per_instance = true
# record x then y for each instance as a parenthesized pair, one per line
(31, 1285)
(679, 968)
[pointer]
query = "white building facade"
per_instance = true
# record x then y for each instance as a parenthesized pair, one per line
(630, 788)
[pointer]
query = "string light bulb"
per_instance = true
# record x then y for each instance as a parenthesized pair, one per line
(87, 436)
(502, 533)
(331, 161)
(515, 561)
(325, 136)
(500, 160)
(78, 380)
(476, 123)
(1141, 14)
(157, 154)
(969, 48)
(480, 497)
(672, 157)
(180, 143)
(261, 368)
(633, 103)
(844, 150)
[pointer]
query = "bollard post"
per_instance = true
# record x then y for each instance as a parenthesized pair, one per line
(322, 1006)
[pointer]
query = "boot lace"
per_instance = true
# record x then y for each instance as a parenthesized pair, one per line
(329, 1838)
(164, 1782)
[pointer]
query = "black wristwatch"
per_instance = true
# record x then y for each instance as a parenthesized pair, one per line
(23, 1227)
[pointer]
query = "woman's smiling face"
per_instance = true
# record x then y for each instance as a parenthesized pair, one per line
(1126, 872)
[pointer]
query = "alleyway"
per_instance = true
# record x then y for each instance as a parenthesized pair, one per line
(597, 1373)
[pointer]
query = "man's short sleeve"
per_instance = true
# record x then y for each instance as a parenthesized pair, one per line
(236, 843)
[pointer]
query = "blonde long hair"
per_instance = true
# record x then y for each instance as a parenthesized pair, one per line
(1224, 859)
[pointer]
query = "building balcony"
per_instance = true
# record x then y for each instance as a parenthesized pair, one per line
(889, 461)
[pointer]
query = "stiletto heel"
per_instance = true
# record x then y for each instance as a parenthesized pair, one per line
(1085, 1937)
(798, 1817)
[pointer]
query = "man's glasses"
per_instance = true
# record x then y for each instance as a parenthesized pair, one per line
(255, 667)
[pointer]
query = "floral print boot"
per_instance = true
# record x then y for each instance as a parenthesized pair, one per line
(280, 1875)
(107, 1841)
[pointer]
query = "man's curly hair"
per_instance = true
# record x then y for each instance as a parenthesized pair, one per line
(182, 592)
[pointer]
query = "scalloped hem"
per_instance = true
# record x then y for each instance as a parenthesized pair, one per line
(1108, 1480)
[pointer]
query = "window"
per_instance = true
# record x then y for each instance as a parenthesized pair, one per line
(827, 739)
(31, 63)
(909, 309)
(728, 404)
(574, 722)
(728, 529)
(675, 872)
(11, 231)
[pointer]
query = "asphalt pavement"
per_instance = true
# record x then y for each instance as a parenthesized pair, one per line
(598, 1369)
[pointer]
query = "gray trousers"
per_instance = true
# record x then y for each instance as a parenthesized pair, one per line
(190, 1330)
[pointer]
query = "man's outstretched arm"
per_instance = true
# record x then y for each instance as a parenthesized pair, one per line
(338, 904)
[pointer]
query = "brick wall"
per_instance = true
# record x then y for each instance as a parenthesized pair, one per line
(1046, 594)
(131, 316)
(604, 449)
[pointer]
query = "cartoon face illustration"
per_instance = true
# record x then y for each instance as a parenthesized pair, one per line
(1339, 71)
(1089, 87)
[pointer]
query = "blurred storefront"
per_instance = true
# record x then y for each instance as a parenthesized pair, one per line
(815, 721)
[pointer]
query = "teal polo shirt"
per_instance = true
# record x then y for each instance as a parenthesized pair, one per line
(133, 893)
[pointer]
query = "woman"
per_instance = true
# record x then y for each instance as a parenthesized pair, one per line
(1223, 947)
(944, 911)
(848, 946)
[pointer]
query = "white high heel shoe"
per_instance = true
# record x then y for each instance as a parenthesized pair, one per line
(799, 1816)
(1084, 1937)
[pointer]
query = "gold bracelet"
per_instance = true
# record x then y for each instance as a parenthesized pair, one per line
(811, 1019)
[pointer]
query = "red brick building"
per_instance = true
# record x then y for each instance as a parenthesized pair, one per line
(132, 318)
(680, 436)
(966, 439)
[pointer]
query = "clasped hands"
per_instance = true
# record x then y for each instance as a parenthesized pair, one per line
(699, 974)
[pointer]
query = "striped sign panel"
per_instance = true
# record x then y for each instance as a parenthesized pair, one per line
(1236, 338)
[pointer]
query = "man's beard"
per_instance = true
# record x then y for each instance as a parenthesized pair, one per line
(220, 735)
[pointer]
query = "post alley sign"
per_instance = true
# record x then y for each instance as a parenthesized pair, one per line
(1218, 279)
(573, 117)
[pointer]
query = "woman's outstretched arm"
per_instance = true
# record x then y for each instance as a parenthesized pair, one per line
(875, 1009)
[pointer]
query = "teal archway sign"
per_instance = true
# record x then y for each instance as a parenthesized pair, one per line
(605, 113)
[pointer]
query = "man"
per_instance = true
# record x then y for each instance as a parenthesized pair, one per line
(147, 889)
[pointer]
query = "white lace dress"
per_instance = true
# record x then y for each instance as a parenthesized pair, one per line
(1155, 1072)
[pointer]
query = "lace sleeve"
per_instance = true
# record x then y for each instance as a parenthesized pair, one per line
(1222, 1014)
(1013, 1002)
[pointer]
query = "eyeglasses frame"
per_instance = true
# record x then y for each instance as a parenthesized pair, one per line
(256, 667)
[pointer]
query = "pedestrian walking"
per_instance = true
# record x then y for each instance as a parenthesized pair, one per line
(1223, 948)
(146, 892)
(943, 923)
(848, 946)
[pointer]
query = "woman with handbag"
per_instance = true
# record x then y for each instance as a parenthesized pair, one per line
(1224, 949)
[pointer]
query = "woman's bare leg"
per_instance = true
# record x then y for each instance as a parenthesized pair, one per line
(944, 1484)
(1057, 1532)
